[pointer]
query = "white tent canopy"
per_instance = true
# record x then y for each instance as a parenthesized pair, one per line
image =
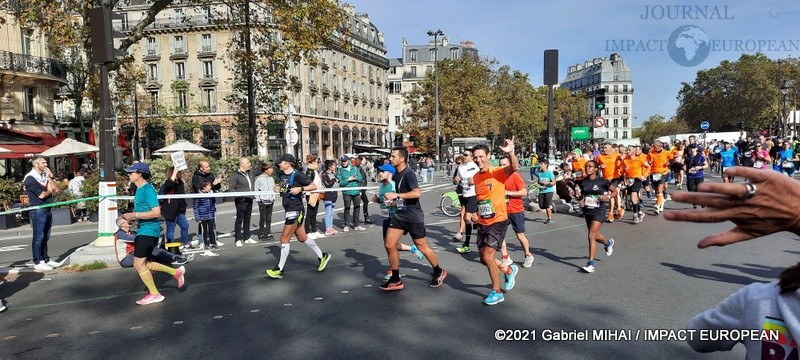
(70, 147)
(181, 145)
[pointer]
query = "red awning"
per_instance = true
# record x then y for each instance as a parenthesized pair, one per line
(22, 151)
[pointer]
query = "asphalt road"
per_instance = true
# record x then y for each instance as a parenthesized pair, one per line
(656, 279)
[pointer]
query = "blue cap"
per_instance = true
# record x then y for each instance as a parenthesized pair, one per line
(388, 167)
(345, 158)
(140, 167)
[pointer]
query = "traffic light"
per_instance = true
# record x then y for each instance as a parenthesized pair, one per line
(741, 125)
(600, 99)
(102, 35)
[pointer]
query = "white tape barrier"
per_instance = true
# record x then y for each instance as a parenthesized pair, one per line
(241, 193)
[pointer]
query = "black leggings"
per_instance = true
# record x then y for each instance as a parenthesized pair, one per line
(365, 203)
(691, 183)
(265, 218)
(311, 217)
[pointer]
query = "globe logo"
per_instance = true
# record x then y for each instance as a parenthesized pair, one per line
(688, 45)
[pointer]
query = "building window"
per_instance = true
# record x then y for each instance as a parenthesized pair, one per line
(179, 44)
(624, 88)
(152, 47)
(616, 99)
(212, 138)
(397, 120)
(454, 53)
(182, 100)
(625, 110)
(616, 88)
(616, 134)
(434, 55)
(208, 69)
(414, 71)
(180, 71)
(616, 124)
(624, 134)
(412, 55)
(313, 139)
(624, 122)
(30, 101)
(395, 87)
(152, 72)
(210, 100)
(624, 98)
(206, 45)
(27, 46)
(616, 111)
(616, 77)
(154, 102)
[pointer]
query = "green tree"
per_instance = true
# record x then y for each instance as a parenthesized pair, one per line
(746, 90)
(519, 107)
(656, 126)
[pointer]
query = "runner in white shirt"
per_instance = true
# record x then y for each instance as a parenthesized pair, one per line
(469, 202)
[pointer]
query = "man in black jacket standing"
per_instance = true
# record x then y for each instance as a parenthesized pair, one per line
(204, 174)
(241, 180)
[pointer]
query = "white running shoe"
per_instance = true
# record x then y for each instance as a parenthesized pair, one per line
(507, 261)
(238, 243)
(346, 229)
(209, 253)
(250, 241)
(528, 261)
(588, 268)
(360, 228)
(311, 235)
(42, 266)
(219, 243)
(319, 235)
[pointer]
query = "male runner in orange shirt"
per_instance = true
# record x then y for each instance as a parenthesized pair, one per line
(635, 166)
(611, 165)
(659, 159)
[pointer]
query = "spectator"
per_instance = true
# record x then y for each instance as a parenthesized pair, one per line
(329, 180)
(174, 210)
(242, 181)
(350, 177)
(265, 182)
(75, 189)
(40, 188)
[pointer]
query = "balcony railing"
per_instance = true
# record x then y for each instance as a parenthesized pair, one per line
(32, 64)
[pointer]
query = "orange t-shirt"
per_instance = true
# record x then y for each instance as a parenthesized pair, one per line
(646, 169)
(515, 183)
(613, 163)
(579, 164)
(659, 161)
(490, 189)
(634, 167)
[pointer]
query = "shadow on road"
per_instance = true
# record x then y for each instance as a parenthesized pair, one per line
(712, 275)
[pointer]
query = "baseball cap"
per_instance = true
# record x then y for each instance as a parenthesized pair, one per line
(388, 167)
(345, 158)
(288, 158)
(140, 167)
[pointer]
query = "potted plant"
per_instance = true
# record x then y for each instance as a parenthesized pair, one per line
(63, 214)
(9, 196)
(91, 188)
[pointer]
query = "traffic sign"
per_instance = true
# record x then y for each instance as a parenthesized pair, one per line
(599, 121)
(704, 125)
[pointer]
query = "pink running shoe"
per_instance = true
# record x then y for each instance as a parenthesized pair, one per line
(179, 272)
(151, 299)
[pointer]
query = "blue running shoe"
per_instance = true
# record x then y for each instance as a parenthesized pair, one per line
(494, 298)
(510, 278)
(416, 251)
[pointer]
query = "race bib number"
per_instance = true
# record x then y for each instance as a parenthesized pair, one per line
(748, 153)
(578, 174)
(292, 216)
(693, 171)
(786, 164)
(758, 164)
(485, 209)
(400, 203)
(591, 201)
(656, 177)
(385, 213)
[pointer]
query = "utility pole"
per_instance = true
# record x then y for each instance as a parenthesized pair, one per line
(252, 146)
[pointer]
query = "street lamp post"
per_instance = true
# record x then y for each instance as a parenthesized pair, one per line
(784, 97)
(436, 35)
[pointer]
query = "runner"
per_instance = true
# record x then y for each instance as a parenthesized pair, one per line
(659, 158)
(611, 165)
(695, 164)
(460, 193)
(635, 166)
(547, 182)
(408, 219)
(388, 209)
(677, 164)
(596, 194)
(292, 183)
(469, 204)
(515, 191)
(147, 211)
(492, 217)
(760, 157)
(787, 158)
(728, 157)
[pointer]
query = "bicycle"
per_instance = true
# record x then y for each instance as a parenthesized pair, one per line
(450, 204)
(533, 192)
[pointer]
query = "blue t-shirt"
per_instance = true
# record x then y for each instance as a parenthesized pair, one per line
(728, 157)
(144, 201)
(382, 190)
(786, 155)
(548, 177)
(697, 160)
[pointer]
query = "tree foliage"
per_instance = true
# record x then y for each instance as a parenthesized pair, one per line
(656, 126)
(475, 99)
(281, 31)
(746, 90)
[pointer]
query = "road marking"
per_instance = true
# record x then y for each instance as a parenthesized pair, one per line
(12, 248)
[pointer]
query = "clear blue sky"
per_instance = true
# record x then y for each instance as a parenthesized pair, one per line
(516, 33)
